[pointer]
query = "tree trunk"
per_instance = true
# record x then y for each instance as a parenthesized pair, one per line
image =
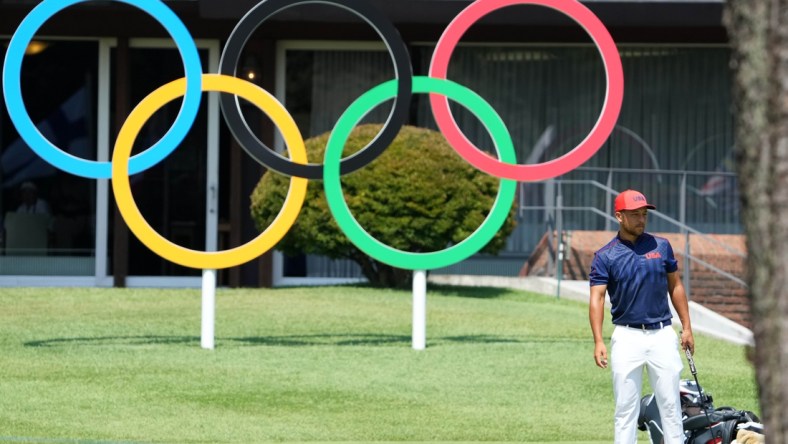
(382, 275)
(758, 31)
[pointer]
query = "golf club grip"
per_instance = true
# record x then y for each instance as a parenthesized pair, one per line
(691, 361)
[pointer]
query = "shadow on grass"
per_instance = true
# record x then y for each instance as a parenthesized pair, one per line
(467, 292)
(432, 289)
(332, 340)
(323, 339)
(114, 340)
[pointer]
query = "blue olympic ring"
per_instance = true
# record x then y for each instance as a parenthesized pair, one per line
(12, 91)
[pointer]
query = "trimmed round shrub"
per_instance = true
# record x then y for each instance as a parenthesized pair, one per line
(418, 196)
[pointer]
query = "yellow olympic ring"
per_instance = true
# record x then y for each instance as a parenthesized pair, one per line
(207, 259)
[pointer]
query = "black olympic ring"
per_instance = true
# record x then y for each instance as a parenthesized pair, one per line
(403, 72)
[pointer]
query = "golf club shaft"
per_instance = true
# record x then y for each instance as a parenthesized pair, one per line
(691, 361)
(694, 372)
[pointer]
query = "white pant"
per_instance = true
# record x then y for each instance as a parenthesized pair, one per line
(630, 350)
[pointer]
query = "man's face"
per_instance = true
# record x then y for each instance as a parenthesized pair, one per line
(633, 222)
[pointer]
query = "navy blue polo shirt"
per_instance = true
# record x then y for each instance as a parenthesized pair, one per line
(636, 278)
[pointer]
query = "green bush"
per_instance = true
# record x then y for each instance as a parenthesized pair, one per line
(418, 196)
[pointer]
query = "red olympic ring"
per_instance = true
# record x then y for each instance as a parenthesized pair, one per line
(578, 155)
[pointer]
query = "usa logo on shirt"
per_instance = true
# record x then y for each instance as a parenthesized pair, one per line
(653, 255)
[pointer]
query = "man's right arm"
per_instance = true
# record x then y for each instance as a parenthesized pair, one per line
(596, 315)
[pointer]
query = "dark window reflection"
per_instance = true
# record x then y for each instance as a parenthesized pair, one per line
(171, 194)
(48, 215)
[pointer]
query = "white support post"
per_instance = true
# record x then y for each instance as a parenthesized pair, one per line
(419, 309)
(211, 207)
(208, 309)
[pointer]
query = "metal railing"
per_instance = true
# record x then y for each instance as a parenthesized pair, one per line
(555, 208)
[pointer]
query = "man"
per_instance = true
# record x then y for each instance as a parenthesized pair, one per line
(31, 203)
(639, 271)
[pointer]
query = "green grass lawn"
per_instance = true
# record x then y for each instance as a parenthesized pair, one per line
(313, 364)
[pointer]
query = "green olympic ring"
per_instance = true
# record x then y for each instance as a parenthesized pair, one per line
(376, 249)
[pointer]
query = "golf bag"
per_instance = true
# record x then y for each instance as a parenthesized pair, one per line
(703, 424)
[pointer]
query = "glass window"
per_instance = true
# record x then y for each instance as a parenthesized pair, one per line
(48, 215)
(320, 86)
(676, 117)
(171, 194)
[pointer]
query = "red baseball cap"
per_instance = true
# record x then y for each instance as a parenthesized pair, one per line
(632, 200)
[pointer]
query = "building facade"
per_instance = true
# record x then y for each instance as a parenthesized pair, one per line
(91, 63)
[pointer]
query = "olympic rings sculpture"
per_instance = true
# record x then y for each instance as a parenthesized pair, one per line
(401, 89)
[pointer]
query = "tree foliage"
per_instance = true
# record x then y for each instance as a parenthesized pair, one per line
(418, 196)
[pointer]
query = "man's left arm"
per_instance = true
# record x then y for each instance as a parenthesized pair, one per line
(679, 299)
